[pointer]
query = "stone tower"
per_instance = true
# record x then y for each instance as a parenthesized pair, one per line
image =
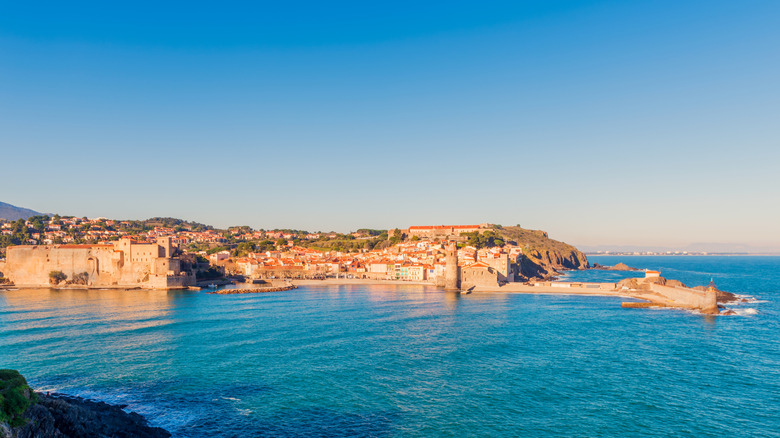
(166, 246)
(451, 277)
(710, 305)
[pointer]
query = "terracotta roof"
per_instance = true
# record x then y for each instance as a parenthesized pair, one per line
(442, 227)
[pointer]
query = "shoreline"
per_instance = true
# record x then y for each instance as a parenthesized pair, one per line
(357, 281)
(666, 296)
(680, 298)
(512, 288)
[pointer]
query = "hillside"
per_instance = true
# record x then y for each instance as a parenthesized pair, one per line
(544, 257)
(11, 212)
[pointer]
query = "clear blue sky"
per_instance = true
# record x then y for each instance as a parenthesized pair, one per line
(603, 122)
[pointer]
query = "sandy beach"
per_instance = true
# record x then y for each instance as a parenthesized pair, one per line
(603, 289)
(361, 281)
(607, 289)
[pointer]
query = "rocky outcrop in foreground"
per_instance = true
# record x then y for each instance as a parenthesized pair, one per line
(62, 416)
(26, 414)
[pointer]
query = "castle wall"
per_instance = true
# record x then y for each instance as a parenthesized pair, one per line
(444, 231)
(31, 265)
(161, 281)
(124, 263)
(501, 265)
(479, 276)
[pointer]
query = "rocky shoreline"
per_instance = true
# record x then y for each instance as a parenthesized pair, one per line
(64, 416)
(619, 267)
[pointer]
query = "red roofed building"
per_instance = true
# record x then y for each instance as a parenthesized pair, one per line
(444, 231)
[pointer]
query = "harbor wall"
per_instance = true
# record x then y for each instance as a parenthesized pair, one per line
(705, 301)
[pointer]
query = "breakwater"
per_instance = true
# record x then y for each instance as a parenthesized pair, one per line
(655, 291)
(256, 290)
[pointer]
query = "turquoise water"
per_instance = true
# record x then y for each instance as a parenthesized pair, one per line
(414, 361)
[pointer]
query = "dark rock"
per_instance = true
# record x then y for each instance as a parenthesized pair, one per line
(60, 416)
(545, 263)
(542, 257)
(723, 296)
(618, 267)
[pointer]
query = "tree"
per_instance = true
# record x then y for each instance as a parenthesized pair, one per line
(82, 279)
(484, 240)
(398, 236)
(243, 249)
(57, 277)
(265, 245)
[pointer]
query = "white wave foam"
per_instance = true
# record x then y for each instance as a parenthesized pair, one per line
(745, 312)
(49, 388)
(745, 299)
(230, 398)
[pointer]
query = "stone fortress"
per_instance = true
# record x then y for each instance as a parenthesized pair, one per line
(489, 272)
(444, 231)
(125, 263)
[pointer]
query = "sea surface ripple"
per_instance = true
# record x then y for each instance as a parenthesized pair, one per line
(413, 360)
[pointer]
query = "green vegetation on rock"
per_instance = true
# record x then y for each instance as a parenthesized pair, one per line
(543, 256)
(485, 239)
(15, 397)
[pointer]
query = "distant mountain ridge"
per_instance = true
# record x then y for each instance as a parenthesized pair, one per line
(11, 212)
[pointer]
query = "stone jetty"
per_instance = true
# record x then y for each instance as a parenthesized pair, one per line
(255, 290)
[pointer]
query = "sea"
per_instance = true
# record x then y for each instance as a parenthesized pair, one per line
(406, 360)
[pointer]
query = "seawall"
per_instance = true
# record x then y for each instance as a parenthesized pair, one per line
(666, 296)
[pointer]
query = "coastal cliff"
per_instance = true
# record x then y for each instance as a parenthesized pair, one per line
(27, 414)
(543, 257)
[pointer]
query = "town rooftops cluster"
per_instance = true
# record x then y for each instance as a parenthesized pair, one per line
(414, 261)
